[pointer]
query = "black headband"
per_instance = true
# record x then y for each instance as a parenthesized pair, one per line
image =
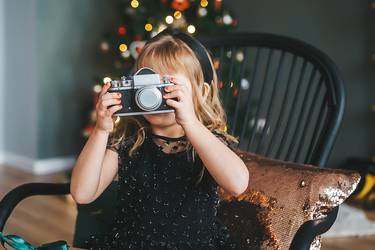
(196, 47)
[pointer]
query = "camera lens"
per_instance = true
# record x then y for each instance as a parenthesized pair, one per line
(148, 98)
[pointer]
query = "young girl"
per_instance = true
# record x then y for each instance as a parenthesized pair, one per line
(170, 164)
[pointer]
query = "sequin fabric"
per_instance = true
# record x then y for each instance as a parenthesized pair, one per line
(285, 195)
(159, 206)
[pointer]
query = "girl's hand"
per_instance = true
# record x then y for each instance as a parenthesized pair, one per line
(184, 108)
(104, 120)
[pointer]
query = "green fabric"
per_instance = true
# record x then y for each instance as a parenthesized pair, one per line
(95, 217)
(19, 243)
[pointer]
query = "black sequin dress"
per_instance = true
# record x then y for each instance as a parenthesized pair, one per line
(159, 206)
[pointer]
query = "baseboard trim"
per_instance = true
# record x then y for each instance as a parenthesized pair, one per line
(38, 166)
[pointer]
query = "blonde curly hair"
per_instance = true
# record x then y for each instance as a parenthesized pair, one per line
(167, 53)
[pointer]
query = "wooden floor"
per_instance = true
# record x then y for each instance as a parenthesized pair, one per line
(42, 219)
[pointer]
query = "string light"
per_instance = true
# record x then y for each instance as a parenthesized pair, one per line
(191, 29)
(148, 27)
(123, 47)
(204, 3)
(169, 19)
(134, 4)
(202, 11)
(240, 56)
(227, 19)
(97, 88)
(177, 14)
(107, 79)
(245, 83)
(125, 54)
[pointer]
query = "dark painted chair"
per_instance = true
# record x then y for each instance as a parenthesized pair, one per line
(284, 99)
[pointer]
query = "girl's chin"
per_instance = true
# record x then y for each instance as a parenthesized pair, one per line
(161, 119)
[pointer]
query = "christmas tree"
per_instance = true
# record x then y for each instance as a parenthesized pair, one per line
(140, 20)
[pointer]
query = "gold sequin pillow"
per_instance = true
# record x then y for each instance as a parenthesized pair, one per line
(281, 196)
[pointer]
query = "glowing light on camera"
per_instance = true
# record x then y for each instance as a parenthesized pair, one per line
(134, 4)
(123, 47)
(169, 19)
(177, 14)
(191, 29)
(204, 3)
(107, 79)
(148, 27)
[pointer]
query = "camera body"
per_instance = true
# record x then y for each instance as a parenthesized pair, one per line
(142, 93)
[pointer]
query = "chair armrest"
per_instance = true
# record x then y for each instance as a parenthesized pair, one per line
(311, 229)
(16, 195)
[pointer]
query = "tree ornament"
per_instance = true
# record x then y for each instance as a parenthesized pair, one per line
(136, 47)
(180, 5)
(121, 30)
(217, 5)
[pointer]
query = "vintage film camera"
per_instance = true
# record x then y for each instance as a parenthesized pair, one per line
(142, 93)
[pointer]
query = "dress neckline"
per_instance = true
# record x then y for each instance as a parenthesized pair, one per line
(151, 137)
(172, 139)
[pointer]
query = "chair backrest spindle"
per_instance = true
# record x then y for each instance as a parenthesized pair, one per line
(283, 98)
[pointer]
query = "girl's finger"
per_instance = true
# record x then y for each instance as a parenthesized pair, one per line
(111, 95)
(175, 94)
(174, 104)
(108, 102)
(104, 89)
(172, 88)
(113, 109)
(177, 81)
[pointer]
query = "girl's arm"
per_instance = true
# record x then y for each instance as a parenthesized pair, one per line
(94, 170)
(96, 167)
(228, 169)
